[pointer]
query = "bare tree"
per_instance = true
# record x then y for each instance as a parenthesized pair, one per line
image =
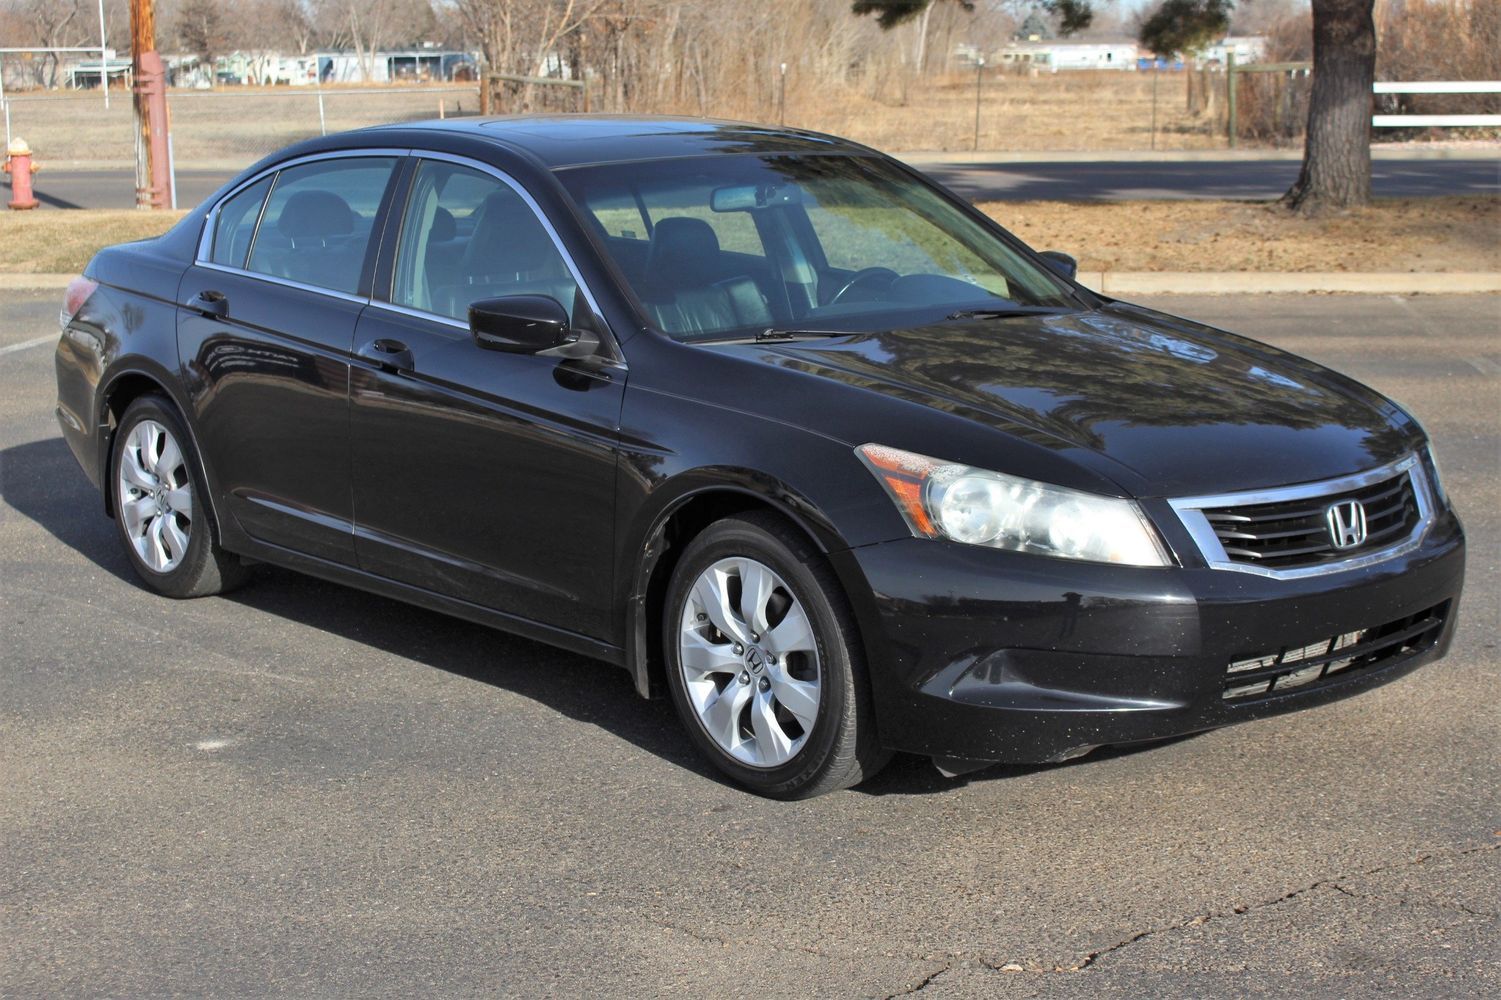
(368, 26)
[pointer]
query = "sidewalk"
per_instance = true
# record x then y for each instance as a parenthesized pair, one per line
(1457, 151)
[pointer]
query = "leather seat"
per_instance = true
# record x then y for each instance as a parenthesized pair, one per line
(688, 290)
(508, 253)
(321, 248)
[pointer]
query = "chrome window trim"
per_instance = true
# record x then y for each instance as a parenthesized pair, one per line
(1190, 511)
(272, 279)
(420, 314)
(552, 234)
(211, 220)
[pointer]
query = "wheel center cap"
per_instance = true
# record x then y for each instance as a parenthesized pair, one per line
(755, 660)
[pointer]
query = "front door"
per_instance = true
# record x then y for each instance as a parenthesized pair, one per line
(483, 476)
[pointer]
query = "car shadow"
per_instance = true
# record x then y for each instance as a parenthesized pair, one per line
(41, 481)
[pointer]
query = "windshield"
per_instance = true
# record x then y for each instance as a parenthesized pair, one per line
(731, 245)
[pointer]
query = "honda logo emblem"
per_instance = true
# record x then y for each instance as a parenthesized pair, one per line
(1346, 521)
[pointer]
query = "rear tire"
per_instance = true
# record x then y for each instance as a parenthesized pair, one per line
(160, 506)
(764, 661)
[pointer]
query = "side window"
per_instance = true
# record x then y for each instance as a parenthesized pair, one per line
(235, 224)
(467, 235)
(318, 219)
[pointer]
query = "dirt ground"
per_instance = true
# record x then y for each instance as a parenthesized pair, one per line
(1415, 234)
(1392, 235)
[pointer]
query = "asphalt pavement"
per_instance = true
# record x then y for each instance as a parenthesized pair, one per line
(62, 186)
(302, 790)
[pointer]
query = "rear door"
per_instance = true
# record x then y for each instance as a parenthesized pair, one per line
(483, 476)
(265, 330)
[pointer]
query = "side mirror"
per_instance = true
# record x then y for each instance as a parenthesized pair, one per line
(1061, 262)
(526, 324)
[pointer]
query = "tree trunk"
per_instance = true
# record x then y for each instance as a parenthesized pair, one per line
(1336, 170)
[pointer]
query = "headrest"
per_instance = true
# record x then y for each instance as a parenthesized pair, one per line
(315, 213)
(684, 249)
(442, 228)
(508, 237)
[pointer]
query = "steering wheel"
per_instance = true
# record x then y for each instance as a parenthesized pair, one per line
(861, 276)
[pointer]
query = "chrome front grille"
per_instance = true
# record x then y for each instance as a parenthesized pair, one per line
(1295, 533)
(1291, 531)
(1298, 667)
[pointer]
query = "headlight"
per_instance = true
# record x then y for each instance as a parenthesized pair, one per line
(979, 507)
(1435, 481)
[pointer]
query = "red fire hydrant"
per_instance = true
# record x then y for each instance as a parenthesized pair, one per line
(18, 164)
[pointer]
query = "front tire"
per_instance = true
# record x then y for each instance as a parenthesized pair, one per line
(764, 662)
(159, 504)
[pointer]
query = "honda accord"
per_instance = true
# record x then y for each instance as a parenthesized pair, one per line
(793, 435)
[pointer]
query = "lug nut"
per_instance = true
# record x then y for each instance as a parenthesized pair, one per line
(744, 677)
(739, 649)
(755, 637)
(702, 617)
(765, 684)
(771, 661)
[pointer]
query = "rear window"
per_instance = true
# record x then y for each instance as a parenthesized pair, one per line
(317, 223)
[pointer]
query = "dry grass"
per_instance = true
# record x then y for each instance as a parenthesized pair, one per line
(1066, 111)
(1393, 234)
(56, 242)
(1049, 112)
(1416, 234)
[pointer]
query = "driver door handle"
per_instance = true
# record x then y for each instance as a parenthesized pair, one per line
(390, 355)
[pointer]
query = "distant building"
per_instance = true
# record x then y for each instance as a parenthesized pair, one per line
(85, 73)
(1247, 49)
(1055, 56)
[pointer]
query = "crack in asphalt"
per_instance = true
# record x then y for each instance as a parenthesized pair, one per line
(1094, 957)
(1204, 918)
(924, 984)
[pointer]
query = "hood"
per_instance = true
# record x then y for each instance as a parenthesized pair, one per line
(1181, 409)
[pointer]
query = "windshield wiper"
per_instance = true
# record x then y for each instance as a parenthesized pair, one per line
(1001, 312)
(773, 334)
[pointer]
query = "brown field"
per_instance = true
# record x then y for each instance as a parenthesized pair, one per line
(1392, 235)
(1420, 234)
(1062, 112)
(1079, 111)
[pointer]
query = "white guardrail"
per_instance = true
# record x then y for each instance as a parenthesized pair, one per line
(1438, 87)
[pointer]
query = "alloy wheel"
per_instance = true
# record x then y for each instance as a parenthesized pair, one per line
(155, 496)
(749, 662)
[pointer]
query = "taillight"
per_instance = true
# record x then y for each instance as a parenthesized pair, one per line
(79, 290)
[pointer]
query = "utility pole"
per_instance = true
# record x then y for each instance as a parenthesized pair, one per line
(979, 75)
(153, 171)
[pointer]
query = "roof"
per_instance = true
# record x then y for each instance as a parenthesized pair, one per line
(574, 140)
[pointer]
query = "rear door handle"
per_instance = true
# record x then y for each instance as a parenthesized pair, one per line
(210, 303)
(391, 355)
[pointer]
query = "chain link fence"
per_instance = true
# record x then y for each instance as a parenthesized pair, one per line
(220, 128)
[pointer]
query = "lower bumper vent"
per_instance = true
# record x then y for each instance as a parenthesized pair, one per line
(1298, 667)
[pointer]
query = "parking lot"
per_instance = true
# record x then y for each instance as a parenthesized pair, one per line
(300, 789)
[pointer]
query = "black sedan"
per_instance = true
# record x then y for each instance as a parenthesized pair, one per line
(767, 419)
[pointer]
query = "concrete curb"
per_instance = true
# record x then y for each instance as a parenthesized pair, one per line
(1162, 282)
(919, 158)
(1290, 282)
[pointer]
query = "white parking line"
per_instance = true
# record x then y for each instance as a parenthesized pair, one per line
(51, 338)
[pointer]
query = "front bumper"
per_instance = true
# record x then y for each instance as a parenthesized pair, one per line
(987, 655)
